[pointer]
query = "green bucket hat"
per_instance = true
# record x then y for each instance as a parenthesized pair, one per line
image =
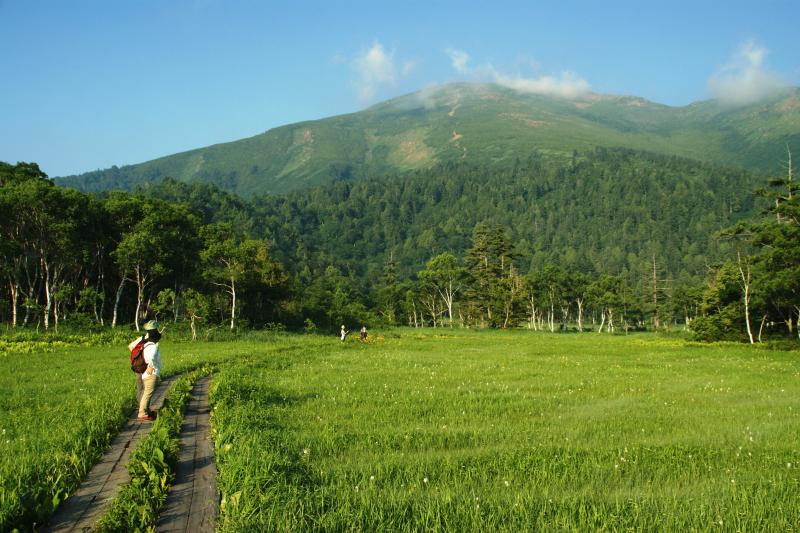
(151, 325)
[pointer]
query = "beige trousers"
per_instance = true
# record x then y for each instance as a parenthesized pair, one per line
(148, 386)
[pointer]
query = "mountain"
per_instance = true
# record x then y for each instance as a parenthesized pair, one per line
(480, 124)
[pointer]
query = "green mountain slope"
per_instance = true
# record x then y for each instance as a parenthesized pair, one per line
(474, 123)
(607, 211)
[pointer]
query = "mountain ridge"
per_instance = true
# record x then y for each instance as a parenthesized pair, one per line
(484, 124)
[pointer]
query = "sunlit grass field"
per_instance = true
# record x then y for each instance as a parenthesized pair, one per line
(441, 430)
(510, 431)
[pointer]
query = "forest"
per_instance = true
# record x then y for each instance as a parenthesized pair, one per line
(611, 240)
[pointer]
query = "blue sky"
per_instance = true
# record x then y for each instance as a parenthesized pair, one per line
(90, 84)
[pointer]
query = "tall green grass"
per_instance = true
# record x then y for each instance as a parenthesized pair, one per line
(509, 431)
(439, 430)
(62, 402)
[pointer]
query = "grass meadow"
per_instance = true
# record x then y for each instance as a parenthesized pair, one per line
(441, 430)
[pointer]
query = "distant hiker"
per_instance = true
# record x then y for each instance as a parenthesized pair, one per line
(146, 381)
(363, 333)
(343, 333)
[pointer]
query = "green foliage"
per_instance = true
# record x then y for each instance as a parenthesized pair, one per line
(351, 251)
(764, 286)
(60, 411)
(552, 214)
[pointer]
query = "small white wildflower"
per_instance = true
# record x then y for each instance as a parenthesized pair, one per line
(788, 465)
(372, 478)
(424, 480)
(506, 483)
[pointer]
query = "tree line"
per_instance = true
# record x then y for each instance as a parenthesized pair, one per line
(454, 245)
(757, 289)
(123, 257)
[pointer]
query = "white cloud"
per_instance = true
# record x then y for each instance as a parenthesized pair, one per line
(567, 85)
(745, 80)
(374, 68)
(459, 59)
(427, 95)
(408, 67)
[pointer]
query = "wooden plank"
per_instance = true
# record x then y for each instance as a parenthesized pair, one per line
(87, 504)
(193, 500)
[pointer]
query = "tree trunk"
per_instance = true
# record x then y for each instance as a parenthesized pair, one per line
(579, 302)
(116, 303)
(602, 321)
(48, 296)
(14, 287)
(761, 328)
(55, 313)
(175, 306)
(448, 297)
(101, 289)
(655, 294)
(139, 295)
(797, 324)
(233, 302)
(28, 299)
(746, 277)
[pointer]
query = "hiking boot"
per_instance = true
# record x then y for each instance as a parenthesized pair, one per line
(147, 418)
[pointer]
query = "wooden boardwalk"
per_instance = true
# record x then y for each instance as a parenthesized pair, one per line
(88, 503)
(193, 499)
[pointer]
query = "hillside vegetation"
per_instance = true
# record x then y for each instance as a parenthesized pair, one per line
(483, 125)
(605, 211)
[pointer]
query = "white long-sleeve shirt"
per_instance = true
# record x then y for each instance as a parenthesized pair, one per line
(152, 356)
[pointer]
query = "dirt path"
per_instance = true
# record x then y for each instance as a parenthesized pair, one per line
(193, 500)
(88, 503)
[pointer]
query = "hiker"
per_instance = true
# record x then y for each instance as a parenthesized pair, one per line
(343, 333)
(146, 381)
(363, 333)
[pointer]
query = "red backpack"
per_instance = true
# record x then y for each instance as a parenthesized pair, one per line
(138, 364)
